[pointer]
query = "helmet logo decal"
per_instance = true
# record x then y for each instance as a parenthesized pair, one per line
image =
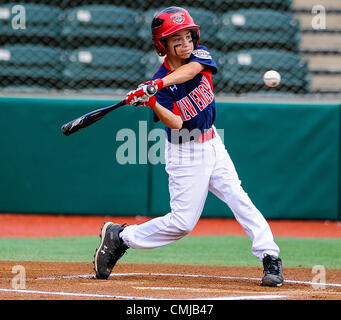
(178, 17)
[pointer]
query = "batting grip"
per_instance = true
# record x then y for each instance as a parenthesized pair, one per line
(151, 90)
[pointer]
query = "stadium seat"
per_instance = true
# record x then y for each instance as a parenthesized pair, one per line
(203, 4)
(102, 22)
(243, 71)
(39, 20)
(152, 62)
(31, 61)
(221, 6)
(231, 5)
(259, 28)
(219, 58)
(104, 64)
(34, 89)
(144, 33)
(208, 22)
(110, 91)
(76, 3)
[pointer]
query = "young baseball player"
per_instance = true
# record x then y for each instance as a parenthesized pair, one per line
(196, 159)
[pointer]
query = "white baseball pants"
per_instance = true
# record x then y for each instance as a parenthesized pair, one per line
(195, 168)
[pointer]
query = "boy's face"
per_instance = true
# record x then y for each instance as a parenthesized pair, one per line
(180, 44)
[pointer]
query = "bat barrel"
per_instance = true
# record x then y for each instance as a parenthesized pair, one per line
(92, 117)
(70, 128)
(88, 119)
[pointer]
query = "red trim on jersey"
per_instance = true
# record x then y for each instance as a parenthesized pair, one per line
(165, 61)
(208, 74)
(206, 136)
(176, 109)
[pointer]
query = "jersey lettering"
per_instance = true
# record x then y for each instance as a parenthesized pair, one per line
(199, 99)
(201, 96)
(206, 89)
(186, 108)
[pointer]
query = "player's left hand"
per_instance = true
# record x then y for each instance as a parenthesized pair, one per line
(158, 83)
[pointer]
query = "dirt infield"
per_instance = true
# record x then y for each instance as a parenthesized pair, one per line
(76, 281)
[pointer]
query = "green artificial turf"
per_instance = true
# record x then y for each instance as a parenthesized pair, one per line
(205, 250)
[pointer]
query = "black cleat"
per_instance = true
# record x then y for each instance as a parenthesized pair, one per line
(273, 275)
(110, 250)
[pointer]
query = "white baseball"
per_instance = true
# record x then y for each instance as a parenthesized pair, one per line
(272, 78)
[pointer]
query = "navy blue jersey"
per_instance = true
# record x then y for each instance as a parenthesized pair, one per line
(193, 100)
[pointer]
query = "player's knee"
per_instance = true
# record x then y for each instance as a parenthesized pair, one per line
(182, 226)
(184, 230)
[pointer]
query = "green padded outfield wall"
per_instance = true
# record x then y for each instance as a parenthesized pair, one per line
(45, 172)
(287, 157)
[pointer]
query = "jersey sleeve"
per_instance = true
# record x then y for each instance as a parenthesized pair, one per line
(203, 56)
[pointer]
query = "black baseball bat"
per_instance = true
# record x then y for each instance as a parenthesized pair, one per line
(93, 116)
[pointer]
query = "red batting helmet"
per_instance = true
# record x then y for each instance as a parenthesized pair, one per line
(169, 21)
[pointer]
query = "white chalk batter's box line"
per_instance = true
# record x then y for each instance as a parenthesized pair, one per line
(93, 295)
(310, 283)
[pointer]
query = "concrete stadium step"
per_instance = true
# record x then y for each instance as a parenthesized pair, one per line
(321, 41)
(326, 82)
(320, 61)
(312, 3)
(332, 20)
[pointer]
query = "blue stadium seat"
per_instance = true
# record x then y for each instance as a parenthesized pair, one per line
(232, 5)
(31, 61)
(209, 23)
(39, 20)
(76, 3)
(145, 33)
(220, 6)
(95, 22)
(104, 64)
(219, 58)
(203, 4)
(152, 62)
(243, 71)
(259, 28)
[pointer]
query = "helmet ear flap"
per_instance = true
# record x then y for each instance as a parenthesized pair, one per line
(164, 45)
(161, 47)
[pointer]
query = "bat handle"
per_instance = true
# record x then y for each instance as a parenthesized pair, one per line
(151, 90)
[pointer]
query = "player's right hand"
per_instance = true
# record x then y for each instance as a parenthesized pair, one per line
(139, 97)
